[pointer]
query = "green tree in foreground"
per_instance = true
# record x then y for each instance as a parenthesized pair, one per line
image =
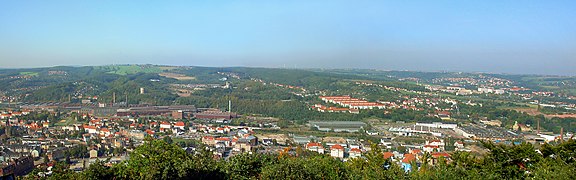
(157, 159)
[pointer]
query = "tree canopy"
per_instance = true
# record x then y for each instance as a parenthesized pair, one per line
(158, 159)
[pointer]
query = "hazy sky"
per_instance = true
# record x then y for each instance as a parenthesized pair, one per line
(522, 36)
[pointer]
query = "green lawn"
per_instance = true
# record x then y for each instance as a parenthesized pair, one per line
(68, 121)
(29, 73)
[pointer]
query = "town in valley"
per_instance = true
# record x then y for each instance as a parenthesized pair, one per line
(67, 117)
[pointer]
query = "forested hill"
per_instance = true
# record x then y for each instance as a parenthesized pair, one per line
(62, 84)
(265, 91)
(289, 94)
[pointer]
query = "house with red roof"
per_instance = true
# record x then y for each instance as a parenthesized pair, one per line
(430, 148)
(416, 151)
(90, 129)
(316, 147)
(388, 155)
(355, 153)
(407, 162)
(337, 151)
(16, 113)
(150, 132)
(438, 155)
(435, 144)
(153, 124)
(208, 140)
(409, 158)
(5, 115)
(104, 131)
(95, 122)
(165, 125)
(459, 145)
(179, 125)
(220, 130)
(225, 140)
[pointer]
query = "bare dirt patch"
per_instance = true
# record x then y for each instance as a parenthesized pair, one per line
(534, 112)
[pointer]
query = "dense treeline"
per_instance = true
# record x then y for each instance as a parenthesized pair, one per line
(155, 92)
(104, 85)
(297, 77)
(158, 159)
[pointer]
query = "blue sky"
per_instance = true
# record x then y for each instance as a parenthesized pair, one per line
(523, 36)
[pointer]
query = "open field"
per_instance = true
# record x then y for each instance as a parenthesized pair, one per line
(131, 69)
(177, 76)
(29, 73)
(167, 68)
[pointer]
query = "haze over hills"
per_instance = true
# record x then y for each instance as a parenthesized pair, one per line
(534, 37)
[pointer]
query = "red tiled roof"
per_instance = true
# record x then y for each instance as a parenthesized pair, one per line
(313, 144)
(208, 137)
(438, 154)
(222, 139)
(408, 158)
(356, 150)
(337, 146)
(388, 155)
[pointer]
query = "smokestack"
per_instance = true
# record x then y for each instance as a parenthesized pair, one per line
(229, 106)
(561, 134)
(538, 126)
(113, 98)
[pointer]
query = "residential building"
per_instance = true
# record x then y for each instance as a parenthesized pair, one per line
(337, 151)
(316, 147)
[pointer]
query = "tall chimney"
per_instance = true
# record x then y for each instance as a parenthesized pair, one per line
(229, 106)
(561, 134)
(538, 132)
